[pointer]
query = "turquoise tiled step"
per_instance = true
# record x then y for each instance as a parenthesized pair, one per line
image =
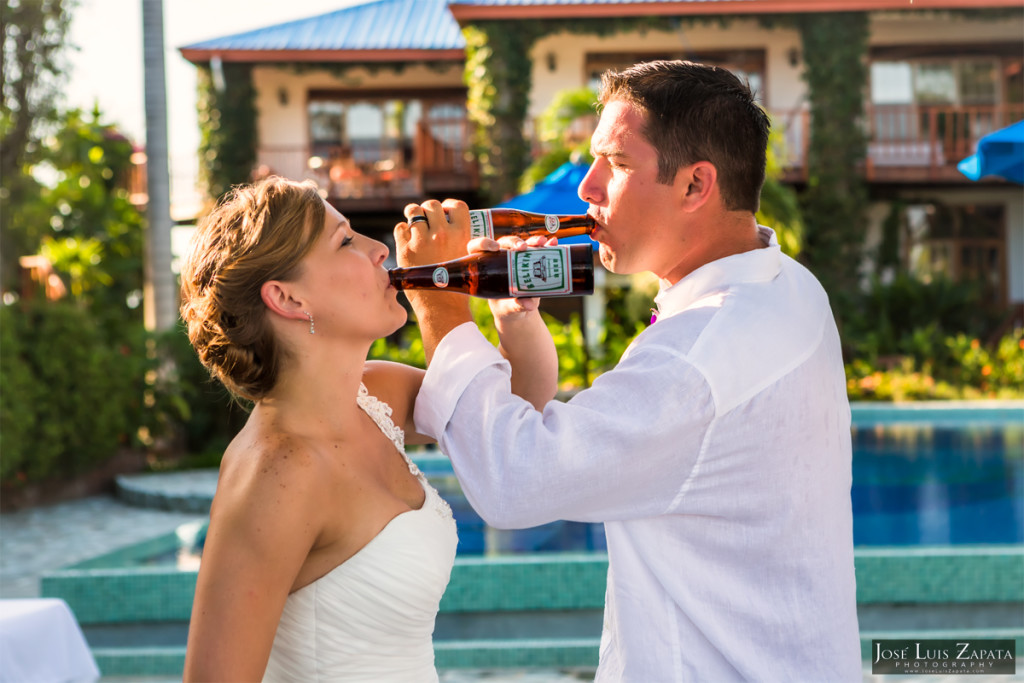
(464, 654)
(938, 575)
(139, 661)
(509, 653)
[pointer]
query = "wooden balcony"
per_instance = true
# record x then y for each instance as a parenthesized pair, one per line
(906, 144)
(384, 175)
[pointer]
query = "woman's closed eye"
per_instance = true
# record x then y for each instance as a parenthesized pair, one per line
(345, 242)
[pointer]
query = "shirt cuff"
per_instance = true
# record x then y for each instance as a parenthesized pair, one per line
(460, 356)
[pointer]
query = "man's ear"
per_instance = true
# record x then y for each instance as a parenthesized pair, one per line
(277, 297)
(700, 181)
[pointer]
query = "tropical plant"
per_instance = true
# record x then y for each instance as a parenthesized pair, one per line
(34, 34)
(95, 238)
(558, 133)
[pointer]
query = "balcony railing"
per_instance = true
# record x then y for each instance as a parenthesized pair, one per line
(910, 143)
(384, 174)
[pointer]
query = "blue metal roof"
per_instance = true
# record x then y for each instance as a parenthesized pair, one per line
(377, 25)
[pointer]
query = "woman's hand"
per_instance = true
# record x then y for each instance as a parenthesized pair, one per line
(510, 310)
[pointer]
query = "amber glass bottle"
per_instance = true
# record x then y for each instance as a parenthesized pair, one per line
(496, 223)
(538, 271)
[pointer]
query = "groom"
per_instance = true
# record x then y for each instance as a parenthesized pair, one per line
(717, 452)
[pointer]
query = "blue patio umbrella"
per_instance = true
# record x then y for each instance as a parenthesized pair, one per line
(557, 194)
(1000, 153)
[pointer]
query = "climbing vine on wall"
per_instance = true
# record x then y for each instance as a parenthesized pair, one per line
(498, 93)
(227, 127)
(498, 78)
(835, 202)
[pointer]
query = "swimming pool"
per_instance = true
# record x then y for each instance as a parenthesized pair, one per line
(919, 484)
(516, 601)
(923, 475)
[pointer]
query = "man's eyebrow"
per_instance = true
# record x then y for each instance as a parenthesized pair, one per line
(600, 151)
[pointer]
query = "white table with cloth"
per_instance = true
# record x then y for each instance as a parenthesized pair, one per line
(41, 642)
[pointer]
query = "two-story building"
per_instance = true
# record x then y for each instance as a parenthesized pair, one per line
(371, 101)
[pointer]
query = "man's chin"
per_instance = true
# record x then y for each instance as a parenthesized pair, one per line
(609, 260)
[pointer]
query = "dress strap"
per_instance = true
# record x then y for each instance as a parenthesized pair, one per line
(380, 412)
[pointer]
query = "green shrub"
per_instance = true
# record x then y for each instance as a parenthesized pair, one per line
(968, 370)
(912, 317)
(185, 399)
(67, 395)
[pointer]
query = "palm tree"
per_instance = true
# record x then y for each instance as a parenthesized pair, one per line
(160, 293)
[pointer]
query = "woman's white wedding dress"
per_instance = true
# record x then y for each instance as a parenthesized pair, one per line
(372, 617)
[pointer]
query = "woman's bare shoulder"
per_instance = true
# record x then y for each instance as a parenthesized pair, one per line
(266, 473)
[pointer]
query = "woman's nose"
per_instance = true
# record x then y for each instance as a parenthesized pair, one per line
(380, 252)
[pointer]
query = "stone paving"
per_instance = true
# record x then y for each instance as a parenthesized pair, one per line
(50, 537)
(53, 536)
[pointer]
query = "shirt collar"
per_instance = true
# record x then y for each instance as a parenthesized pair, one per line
(757, 265)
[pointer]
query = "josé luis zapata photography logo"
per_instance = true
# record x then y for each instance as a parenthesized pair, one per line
(956, 656)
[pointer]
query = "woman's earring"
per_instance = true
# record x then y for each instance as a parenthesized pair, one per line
(310, 316)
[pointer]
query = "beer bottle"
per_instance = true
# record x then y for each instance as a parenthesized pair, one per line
(496, 223)
(535, 271)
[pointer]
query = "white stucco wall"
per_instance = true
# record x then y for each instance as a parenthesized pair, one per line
(783, 89)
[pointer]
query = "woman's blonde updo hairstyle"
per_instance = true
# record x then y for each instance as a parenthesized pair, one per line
(258, 232)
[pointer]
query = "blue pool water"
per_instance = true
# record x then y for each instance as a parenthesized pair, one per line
(921, 483)
(921, 476)
(926, 474)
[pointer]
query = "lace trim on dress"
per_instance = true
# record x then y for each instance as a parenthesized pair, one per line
(380, 413)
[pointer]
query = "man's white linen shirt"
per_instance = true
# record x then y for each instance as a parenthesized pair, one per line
(717, 453)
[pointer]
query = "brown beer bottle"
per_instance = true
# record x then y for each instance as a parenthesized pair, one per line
(537, 271)
(496, 223)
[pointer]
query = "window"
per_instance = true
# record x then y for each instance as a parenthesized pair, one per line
(933, 109)
(956, 82)
(964, 243)
(367, 145)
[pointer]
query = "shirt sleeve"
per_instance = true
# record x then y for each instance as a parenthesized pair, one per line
(624, 448)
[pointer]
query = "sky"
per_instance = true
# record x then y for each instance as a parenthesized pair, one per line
(107, 66)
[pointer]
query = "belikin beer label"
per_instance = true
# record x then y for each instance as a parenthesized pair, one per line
(551, 223)
(440, 276)
(544, 270)
(480, 224)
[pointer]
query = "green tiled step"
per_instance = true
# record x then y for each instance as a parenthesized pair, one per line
(468, 654)
(140, 661)
(940, 574)
(922, 576)
(459, 654)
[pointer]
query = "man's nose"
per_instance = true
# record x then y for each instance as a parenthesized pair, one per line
(590, 190)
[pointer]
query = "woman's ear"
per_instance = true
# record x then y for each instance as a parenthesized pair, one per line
(277, 297)
(699, 183)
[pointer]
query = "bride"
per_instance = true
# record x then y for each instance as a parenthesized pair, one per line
(327, 551)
